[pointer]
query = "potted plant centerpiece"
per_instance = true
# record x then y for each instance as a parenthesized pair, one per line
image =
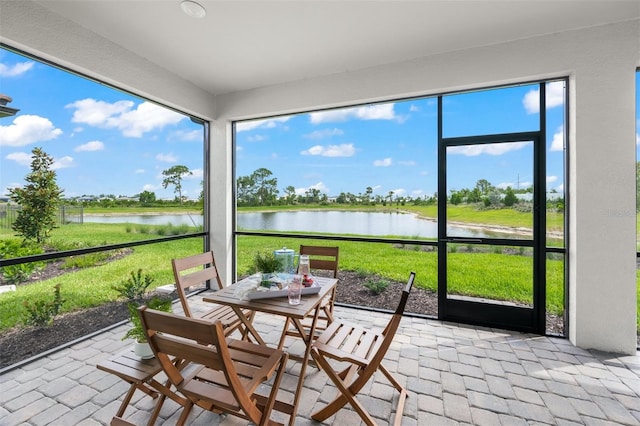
(135, 290)
(267, 264)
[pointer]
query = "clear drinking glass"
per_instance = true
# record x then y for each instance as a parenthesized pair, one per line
(294, 290)
(303, 266)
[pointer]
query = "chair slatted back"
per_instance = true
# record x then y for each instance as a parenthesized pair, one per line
(363, 350)
(194, 270)
(322, 257)
(172, 336)
(227, 372)
(381, 347)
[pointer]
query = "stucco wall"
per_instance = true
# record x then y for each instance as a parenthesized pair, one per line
(601, 64)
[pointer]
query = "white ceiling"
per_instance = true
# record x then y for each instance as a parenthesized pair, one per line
(242, 45)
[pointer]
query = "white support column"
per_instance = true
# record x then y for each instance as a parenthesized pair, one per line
(221, 198)
(602, 249)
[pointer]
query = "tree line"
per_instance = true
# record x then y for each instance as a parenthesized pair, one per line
(260, 188)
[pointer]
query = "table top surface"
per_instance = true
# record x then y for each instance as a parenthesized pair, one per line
(276, 305)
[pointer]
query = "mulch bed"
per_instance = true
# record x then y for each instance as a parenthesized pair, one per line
(19, 344)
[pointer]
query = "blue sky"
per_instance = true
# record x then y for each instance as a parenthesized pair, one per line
(392, 147)
(103, 141)
(108, 142)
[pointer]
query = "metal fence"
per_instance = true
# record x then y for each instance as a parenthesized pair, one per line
(65, 215)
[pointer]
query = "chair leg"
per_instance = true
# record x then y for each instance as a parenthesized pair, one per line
(345, 394)
(348, 393)
(266, 412)
(185, 413)
(127, 398)
(401, 399)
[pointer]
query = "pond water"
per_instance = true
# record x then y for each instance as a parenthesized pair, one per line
(335, 222)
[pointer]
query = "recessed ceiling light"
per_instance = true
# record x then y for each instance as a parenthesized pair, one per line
(193, 9)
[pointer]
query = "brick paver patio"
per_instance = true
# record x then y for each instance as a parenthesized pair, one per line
(455, 375)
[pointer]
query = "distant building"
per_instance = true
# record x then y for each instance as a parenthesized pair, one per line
(5, 111)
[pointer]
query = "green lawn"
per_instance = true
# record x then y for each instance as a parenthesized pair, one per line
(92, 286)
(481, 274)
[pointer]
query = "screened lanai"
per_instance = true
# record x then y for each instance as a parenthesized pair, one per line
(260, 60)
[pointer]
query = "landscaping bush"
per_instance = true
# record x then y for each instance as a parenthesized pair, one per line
(42, 312)
(376, 286)
(135, 287)
(15, 274)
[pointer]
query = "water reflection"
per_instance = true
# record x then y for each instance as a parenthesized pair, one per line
(331, 222)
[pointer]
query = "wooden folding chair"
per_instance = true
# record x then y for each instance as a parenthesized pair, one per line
(223, 374)
(118, 421)
(321, 258)
(363, 350)
(198, 269)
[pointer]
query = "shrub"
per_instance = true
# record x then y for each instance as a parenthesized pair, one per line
(136, 332)
(19, 273)
(135, 287)
(376, 286)
(88, 260)
(43, 312)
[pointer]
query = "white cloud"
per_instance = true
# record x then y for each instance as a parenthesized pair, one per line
(15, 70)
(195, 174)
(149, 187)
(97, 113)
(557, 143)
(407, 163)
(343, 150)
(256, 138)
(490, 149)
(139, 171)
(417, 193)
(192, 135)
(266, 123)
(398, 192)
(22, 158)
(514, 185)
(25, 159)
(167, 158)
(383, 163)
(551, 179)
(325, 133)
(62, 163)
(371, 112)
(90, 146)
(28, 129)
(554, 97)
(320, 186)
(121, 115)
(10, 186)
